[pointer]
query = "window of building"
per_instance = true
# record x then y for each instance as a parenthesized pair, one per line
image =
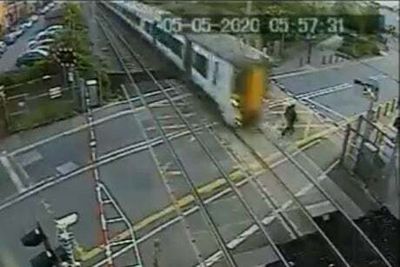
(216, 70)
(200, 63)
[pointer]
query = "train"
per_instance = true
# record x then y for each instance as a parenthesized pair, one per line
(233, 74)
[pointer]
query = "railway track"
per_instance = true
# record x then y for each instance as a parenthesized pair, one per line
(179, 168)
(183, 112)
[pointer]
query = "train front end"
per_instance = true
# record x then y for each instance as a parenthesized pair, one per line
(248, 94)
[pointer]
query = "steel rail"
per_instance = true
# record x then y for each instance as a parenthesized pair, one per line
(265, 195)
(206, 215)
(220, 169)
(327, 196)
(267, 167)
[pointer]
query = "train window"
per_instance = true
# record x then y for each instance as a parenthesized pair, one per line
(176, 46)
(216, 70)
(132, 16)
(200, 63)
(169, 41)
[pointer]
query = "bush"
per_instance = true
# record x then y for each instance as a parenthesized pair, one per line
(39, 69)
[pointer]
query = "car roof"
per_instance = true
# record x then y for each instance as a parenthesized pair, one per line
(45, 40)
(40, 51)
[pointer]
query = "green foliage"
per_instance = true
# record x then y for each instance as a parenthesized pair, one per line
(39, 69)
(358, 17)
(46, 112)
(358, 48)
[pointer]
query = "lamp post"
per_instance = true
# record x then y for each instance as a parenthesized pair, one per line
(372, 91)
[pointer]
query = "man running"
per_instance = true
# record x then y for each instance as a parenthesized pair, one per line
(291, 118)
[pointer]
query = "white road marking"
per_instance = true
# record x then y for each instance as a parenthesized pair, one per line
(329, 110)
(245, 234)
(82, 127)
(69, 132)
(337, 66)
(12, 173)
(104, 159)
(252, 229)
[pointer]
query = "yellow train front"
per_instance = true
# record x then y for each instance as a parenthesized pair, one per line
(231, 72)
(248, 93)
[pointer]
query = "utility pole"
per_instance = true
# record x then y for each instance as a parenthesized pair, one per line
(309, 48)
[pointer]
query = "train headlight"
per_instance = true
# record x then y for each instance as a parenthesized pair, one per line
(235, 102)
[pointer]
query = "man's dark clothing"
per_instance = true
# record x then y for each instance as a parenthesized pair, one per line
(291, 118)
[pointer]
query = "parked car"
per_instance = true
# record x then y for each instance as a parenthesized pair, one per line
(44, 10)
(28, 24)
(10, 38)
(42, 47)
(34, 44)
(3, 47)
(45, 35)
(34, 18)
(19, 32)
(54, 28)
(30, 57)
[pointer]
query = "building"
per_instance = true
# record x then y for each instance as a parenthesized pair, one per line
(3, 20)
(13, 11)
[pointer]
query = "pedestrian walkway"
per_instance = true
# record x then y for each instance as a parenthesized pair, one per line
(296, 58)
(309, 126)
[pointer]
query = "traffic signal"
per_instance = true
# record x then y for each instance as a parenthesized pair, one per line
(44, 259)
(65, 56)
(33, 238)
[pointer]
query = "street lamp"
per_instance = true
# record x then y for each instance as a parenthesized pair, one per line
(371, 89)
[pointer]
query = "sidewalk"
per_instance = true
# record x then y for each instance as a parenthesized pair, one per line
(295, 59)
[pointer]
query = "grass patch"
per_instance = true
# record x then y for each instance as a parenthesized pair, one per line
(45, 112)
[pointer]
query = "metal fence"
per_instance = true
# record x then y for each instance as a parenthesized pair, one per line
(38, 102)
(368, 150)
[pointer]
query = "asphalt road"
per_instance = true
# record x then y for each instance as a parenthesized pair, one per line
(8, 59)
(140, 192)
(351, 101)
(136, 186)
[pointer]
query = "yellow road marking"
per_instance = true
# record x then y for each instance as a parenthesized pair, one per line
(189, 199)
